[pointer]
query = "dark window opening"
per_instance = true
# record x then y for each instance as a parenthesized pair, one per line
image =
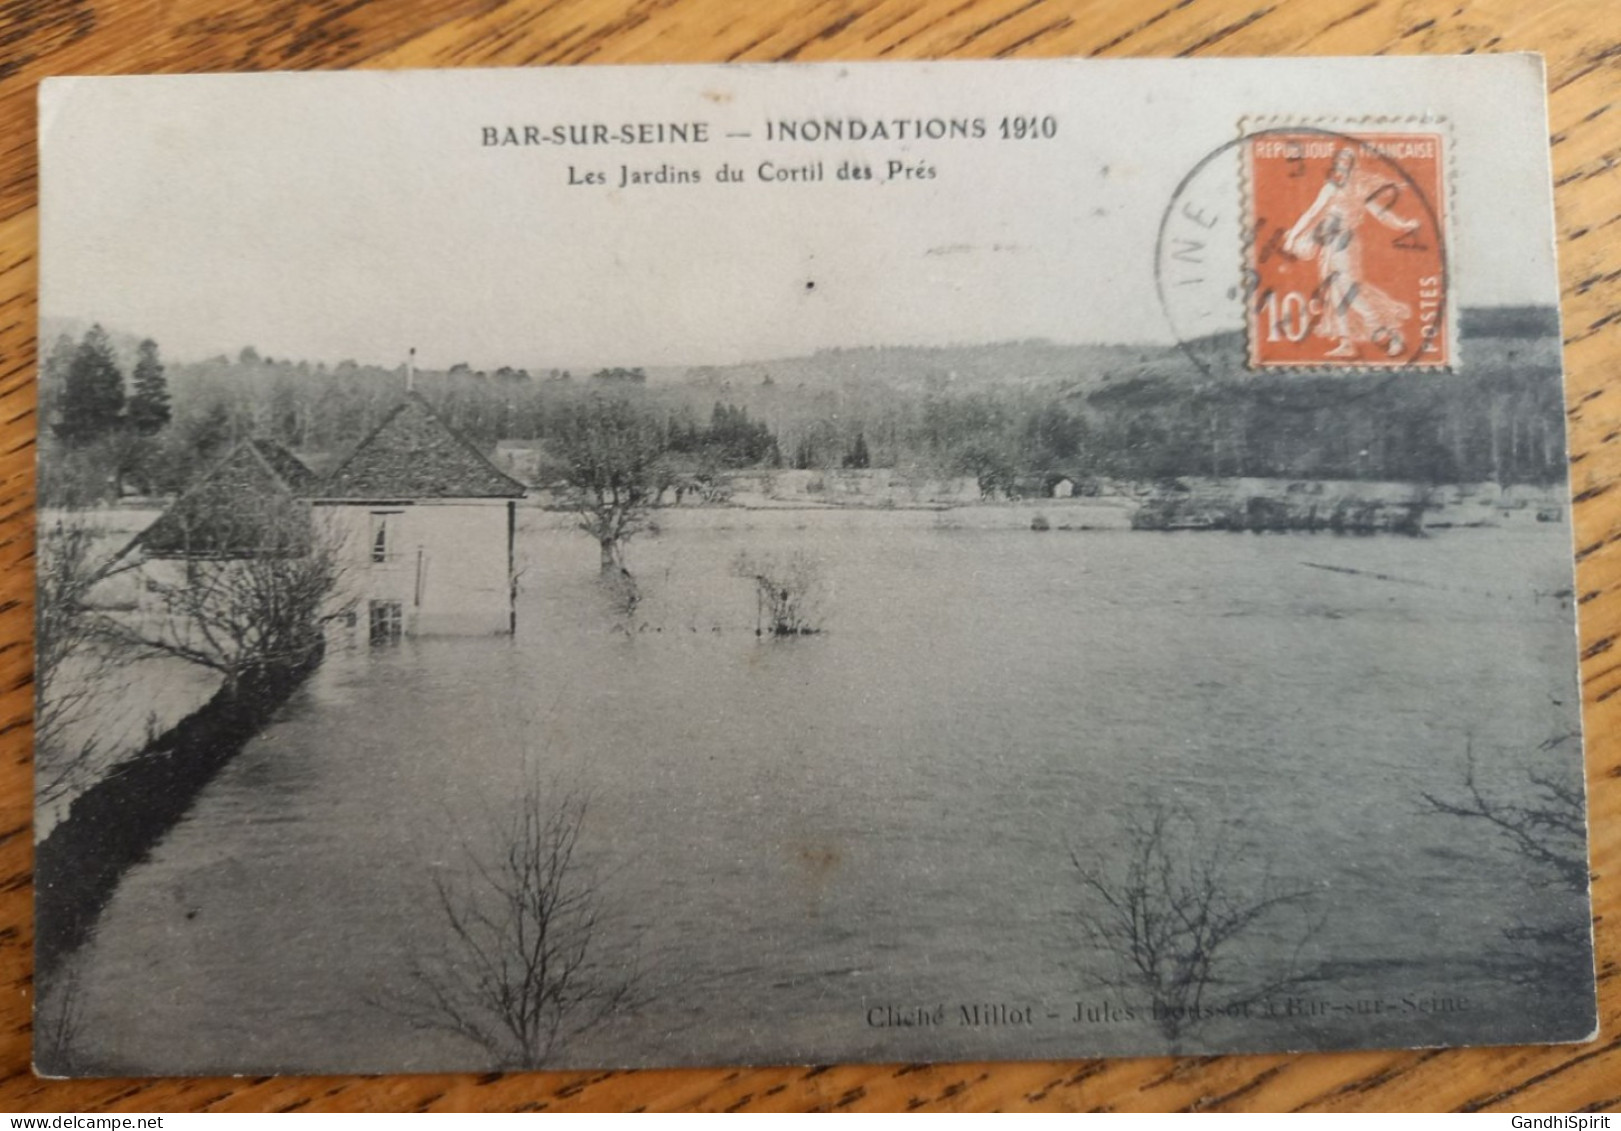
(387, 623)
(383, 534)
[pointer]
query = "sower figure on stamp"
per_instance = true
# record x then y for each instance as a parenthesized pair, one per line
(1353, 310)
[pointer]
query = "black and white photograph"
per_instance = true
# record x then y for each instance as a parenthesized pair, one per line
(795, 564)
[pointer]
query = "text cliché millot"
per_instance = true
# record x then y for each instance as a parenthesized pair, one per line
(797, 158)
(1005, 1014)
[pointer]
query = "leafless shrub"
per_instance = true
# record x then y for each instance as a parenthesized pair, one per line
(1548, 829)
(255, 605)
(1184, 929)
(789, 592)
(526, 964)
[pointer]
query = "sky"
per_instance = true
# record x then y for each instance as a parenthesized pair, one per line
(356, 215)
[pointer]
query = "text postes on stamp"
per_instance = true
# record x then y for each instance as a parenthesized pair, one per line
(1346, 247)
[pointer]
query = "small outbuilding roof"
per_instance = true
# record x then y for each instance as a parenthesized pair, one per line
(413, 454)
(244, 507)
(289, 468)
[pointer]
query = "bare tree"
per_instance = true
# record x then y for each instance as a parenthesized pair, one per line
(624, 595)
(526, 964)
(610, 452)
(1184, 929)
(245, 592)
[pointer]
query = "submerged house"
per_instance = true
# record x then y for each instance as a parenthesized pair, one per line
(248, 506)
(424, 525)
(428, 526)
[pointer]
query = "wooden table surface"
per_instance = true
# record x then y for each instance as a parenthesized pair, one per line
(1582, 43)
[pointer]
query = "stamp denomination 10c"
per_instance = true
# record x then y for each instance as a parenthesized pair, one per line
(1346, 247)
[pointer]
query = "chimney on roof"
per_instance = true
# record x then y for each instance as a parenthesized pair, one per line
(411, 370)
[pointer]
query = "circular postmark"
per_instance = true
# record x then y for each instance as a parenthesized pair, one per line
(1306, 252)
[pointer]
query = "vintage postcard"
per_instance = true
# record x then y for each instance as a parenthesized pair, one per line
(697, 565)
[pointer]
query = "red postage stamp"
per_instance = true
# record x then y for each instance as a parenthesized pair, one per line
(1347, 253)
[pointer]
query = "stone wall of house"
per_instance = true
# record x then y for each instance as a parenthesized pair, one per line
(445, 564)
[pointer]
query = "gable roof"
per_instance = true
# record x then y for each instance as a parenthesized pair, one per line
(300, 479)
(244, 507)
(413, 454)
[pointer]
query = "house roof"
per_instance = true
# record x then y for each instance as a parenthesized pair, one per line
(413, 454)
(300, 479)
(245, 505)
(241, 508)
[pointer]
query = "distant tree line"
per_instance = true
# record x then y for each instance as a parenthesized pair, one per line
(1499, 419)
(731, 439)
(1432, 428)
(1505, 426)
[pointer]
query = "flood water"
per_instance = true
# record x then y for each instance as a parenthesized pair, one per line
(791, 834)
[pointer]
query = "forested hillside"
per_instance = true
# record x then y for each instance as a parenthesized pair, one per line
(118, 417)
